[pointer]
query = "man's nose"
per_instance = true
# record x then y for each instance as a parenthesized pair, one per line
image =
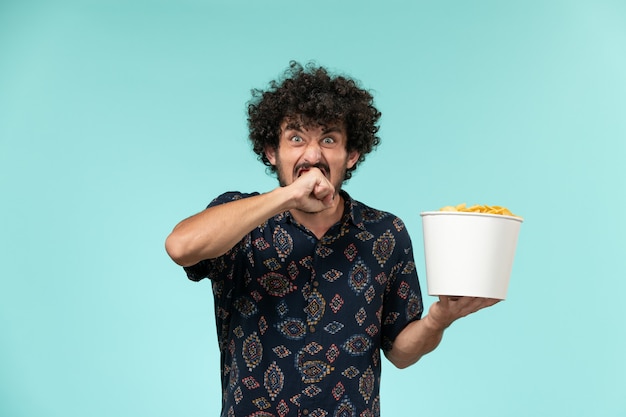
(313, 152)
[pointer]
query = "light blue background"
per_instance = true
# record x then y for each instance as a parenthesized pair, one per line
(120, 118)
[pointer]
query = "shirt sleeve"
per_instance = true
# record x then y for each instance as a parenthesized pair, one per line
(214, 268)
(403, 299)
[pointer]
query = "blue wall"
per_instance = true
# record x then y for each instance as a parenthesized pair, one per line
(120, 118)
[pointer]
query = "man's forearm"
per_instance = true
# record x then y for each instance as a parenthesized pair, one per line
(416, 340)
(216, 230)
(423, 336)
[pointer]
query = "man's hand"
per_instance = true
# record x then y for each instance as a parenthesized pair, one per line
(450, 308)
(312, 191)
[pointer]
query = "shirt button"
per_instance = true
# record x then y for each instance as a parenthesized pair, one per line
(305, 412)
(316, 283)
(312, 329)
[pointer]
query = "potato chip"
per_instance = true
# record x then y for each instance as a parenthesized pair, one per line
(477, 208)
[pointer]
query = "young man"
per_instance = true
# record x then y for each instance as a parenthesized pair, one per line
(310, 285)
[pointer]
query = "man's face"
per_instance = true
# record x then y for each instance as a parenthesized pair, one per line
(300, 148)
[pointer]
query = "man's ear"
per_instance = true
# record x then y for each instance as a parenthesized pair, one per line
(353, 157)
(270, 154)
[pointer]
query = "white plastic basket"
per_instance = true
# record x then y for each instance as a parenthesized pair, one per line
(469, 254)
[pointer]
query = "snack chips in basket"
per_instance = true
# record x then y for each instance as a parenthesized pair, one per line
(477, 208)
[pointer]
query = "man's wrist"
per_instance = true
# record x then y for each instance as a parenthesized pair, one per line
(435, 322)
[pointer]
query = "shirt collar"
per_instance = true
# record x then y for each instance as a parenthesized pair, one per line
(350, 211)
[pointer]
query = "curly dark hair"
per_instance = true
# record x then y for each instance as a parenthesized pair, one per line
(315, 97)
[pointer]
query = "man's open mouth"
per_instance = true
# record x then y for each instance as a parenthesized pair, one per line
(306, 168)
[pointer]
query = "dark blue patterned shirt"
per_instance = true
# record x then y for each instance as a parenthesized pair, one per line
(301, 321)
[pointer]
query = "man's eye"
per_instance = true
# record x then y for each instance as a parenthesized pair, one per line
(328, 140)
(296, 139)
